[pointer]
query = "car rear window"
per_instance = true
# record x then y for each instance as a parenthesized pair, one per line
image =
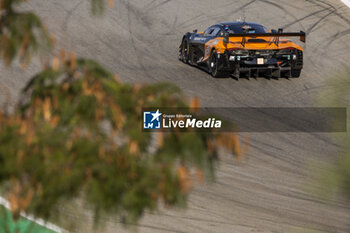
(247, 29)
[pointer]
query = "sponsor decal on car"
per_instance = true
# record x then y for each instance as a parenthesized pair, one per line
(199, 38)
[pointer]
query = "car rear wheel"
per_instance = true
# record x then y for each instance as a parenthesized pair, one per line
(296, 73)
(184, 51)
(213, 63)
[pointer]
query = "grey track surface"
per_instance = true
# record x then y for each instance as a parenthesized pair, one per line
(139, 41)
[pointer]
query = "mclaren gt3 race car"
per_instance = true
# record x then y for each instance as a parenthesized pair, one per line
(243, 48)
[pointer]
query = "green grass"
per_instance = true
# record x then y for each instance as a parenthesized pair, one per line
(22, 225)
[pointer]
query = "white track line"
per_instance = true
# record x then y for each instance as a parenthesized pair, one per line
(40, 222)
(346, 2)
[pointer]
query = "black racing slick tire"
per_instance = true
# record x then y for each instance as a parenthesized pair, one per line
(213, 64)
(296, 73)
(184, 51)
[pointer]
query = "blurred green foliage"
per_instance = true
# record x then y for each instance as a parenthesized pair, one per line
(20, 33)
(77, 132)
(23, 33)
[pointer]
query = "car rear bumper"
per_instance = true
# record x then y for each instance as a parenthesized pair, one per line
(254, 66)
(254, 72)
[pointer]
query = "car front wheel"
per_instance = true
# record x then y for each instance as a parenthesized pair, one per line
(184, 51)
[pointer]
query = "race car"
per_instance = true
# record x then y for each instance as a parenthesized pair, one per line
(243, 49)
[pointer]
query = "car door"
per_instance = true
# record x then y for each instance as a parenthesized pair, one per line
(199, 40)
(211, 34)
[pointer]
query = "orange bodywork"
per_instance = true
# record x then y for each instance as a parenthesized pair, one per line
(236, 43)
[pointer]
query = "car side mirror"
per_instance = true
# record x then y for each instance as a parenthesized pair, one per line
(195, 31)
(280, 30)
(226, 37)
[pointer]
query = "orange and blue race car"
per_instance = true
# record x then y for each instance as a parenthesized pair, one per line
(243, 49)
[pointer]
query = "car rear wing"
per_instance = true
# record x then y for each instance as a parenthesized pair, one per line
(275, 34)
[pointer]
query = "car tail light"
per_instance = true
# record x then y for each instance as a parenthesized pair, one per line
(287, 50)
(238, 51)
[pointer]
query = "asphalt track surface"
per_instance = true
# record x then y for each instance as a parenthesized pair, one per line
(139, 41)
